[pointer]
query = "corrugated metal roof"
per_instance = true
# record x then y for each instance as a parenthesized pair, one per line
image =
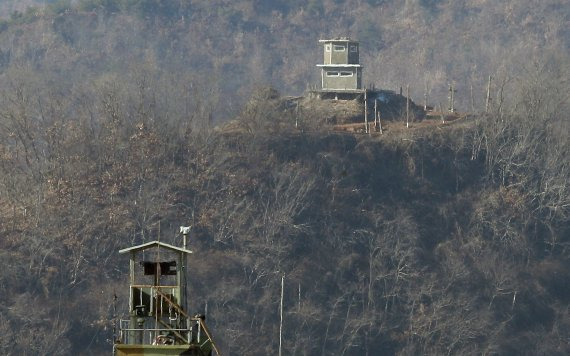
(154, 244)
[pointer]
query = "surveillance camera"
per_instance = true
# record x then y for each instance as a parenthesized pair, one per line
(184, 230)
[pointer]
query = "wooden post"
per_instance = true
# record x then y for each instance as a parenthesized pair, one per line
(472, 99)
(407, 105)
(299, 308)
(452, 97)
(297, 116)
(380, 123)
(375, 114)
(425, 95)
(441, 113)
(488, 97)
(365, 112)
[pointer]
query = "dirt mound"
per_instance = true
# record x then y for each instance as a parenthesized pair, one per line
(392, 107)
(331, 111)
(267, 109)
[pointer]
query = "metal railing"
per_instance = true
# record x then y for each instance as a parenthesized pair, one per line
(172, 325)
(150, 336)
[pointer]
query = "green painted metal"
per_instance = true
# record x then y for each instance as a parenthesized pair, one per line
(341, 69)
(158, 323)
(340, 51)
(160, 350)
(342, 78)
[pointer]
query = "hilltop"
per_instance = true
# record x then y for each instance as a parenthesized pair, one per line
(223, 50)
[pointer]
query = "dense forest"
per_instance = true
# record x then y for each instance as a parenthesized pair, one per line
(449, 240)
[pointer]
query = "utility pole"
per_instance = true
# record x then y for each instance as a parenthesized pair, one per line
(297, 116)
(408, 105)
(376, 115)
(425, 95)
(365, 112)
(451, 98)
(488, 97)
(472, 99)
(281, 315)
(299, 310)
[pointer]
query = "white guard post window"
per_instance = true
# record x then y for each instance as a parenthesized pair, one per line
(353, 48)
(328, 47)
(339, 48)
(332, 74)
(346, 74)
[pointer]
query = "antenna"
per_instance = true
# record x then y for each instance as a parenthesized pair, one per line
(184, 230)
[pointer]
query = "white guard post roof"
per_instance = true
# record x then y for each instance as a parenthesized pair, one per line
(339, 39)
(154, 244)
(338, 65)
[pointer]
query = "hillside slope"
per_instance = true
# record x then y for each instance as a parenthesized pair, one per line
(449, 240)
